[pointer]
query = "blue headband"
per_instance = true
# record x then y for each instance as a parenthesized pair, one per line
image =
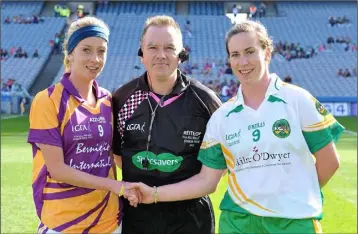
(84, 32)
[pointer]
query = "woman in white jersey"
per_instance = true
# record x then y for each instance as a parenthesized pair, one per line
(275, 139)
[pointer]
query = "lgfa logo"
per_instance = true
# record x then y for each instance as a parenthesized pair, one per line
(80, 127)
(281, 128)
(132, 127)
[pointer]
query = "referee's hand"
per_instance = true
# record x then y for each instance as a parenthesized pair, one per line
(147, 193)
(133, 195)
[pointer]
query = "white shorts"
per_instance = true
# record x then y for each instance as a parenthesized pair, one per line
(45, 230)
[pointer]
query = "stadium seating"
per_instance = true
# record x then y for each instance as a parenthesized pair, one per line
(206, 8)
(304, 23)
(29, 37)
(136, 8)
(317, 10)
(207, 42)
(25, 8)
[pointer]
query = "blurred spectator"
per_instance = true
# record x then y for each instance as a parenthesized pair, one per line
(12, 50)
(346, 47)
(340, 72)
(35, 19)
(16, 88)
(61, 10)
(339, 20)
(262, 10)
(187, 48)
(22, 106)
(188, 68)
(19, 53)
(345, 20)
(51, 43)
(195, 66)
(233, 88)
(313, 52)
(225, 90)
(80, 11)
(7, 20)
(322, 48)
(187, 28)
(228, 69)
(331, 21)
(346, 73)
(339, 39)
(236, 10)
(4, 88)
(24, 20)
(330, 40)
(221, 64)
(57, 42)
(213, 64)
(9, 83)
(4, 54)
(206, 68)
(65, 11)
(354, 47)
(346, 39)
(293, 51)
(253, 11)
(288, 79)
(36, 54)
(210, 85)
(56, 10)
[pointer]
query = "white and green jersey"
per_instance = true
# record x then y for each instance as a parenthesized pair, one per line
(269, 151)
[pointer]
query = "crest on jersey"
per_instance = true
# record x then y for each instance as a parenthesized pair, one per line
(320, 108)
(281, 128)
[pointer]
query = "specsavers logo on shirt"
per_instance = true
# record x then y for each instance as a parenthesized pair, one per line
(164, 162)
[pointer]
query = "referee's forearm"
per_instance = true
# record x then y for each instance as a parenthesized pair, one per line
(194, 187)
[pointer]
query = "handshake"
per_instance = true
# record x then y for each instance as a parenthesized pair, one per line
(136, 193)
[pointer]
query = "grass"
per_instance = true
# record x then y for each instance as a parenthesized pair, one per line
(18, 211)
(350, 123)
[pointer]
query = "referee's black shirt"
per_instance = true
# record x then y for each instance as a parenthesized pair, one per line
(178, 129)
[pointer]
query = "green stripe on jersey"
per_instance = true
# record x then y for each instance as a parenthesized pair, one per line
(319, 139)
(235, 110)
(212, 157)
(275, 99)
(228, 204)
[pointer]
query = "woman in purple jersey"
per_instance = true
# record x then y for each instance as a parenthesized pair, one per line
(74, 178)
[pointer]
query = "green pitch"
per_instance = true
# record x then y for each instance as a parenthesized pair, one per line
(18, 211)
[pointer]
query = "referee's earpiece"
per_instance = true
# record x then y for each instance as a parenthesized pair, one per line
(183, 55)
(140, 52)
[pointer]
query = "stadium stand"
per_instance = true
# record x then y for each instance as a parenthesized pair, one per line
(305, 23)
(25, 70)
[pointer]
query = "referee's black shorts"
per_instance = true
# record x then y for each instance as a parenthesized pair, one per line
(185, 217)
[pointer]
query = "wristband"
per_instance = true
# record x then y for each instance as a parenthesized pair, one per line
(155, 194)
(122, 190)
